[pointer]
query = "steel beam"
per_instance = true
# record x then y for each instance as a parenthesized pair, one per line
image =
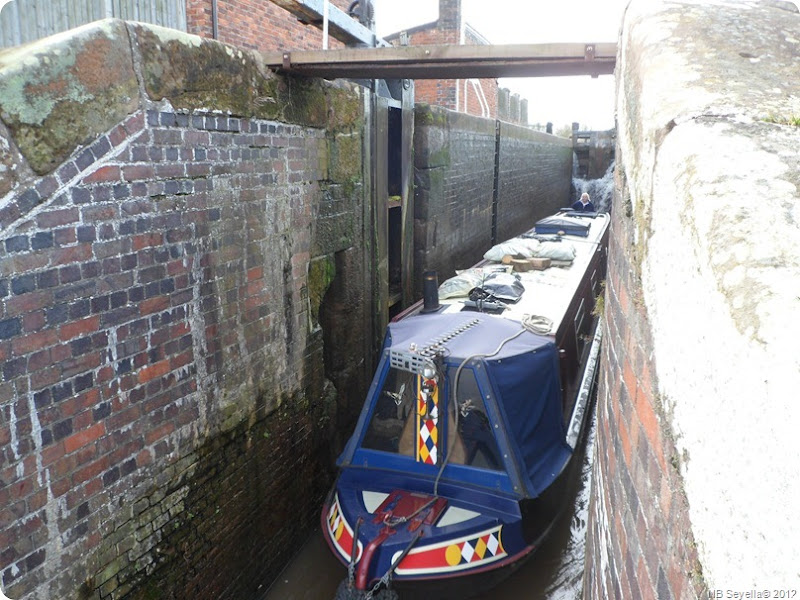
(449, 62)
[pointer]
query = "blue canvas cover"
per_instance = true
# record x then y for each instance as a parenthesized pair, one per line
(567, 224)
(525, 376)
(530, 393)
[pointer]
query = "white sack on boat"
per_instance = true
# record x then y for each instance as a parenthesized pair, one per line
(517, 247)
(461, 284)
(556, 251)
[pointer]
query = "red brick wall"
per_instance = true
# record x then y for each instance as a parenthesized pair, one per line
(438, 92)
(489, 88)
(640, 542)
(257, 24)
(164, 408)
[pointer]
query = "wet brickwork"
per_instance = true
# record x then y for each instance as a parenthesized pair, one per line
(534, 171)
(459, 160)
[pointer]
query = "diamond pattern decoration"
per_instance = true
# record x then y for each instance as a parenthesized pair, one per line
(427, 422)
(461, 554)
(476, 549)
(339, 531)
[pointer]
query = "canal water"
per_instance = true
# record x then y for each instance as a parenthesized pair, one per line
(555, 572)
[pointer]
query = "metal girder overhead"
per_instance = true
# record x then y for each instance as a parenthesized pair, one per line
(450, 62)
(341, 26)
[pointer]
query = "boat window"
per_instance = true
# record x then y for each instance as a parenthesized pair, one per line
(476, 445)
(393, 406)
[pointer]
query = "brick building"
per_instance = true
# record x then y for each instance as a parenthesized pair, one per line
(252, 24)
(255, 24)
(480, 97)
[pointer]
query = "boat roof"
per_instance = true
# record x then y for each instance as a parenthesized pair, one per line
(548, 292)
(518, 375)
(461, 335)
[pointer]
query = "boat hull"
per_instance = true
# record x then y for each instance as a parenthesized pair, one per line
(464, 457)
(519, 539)
(536, 519)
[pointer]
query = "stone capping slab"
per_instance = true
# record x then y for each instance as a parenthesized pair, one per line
(63, 91)
(70, 99)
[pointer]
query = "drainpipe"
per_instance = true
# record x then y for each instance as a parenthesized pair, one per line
(325, 24)
(214, 20)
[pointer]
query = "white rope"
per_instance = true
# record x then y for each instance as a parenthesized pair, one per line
(537, 324)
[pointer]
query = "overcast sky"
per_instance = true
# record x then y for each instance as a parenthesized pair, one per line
(560, 100)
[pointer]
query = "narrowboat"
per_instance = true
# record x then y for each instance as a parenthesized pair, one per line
(458, 466)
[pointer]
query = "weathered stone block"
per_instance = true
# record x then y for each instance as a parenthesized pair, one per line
(193, 73)
(9, 164)
(705, 234)
(61, 92)
(344, 158)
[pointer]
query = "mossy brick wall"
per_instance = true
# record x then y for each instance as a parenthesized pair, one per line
(454, 162)
(256, 25)
(534, 179)
(639, 540)
(166, 258)
(453, 183)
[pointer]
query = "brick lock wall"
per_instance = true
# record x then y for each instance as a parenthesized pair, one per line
(454, 174)
(639, 542)
(454, 182)
(143, 301)
(257, 24)
(165, 420)
(535, 175)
